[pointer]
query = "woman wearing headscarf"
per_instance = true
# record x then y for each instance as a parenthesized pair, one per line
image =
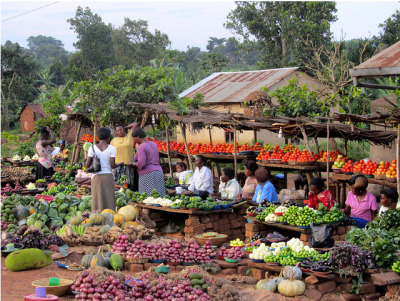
(124, 144)
(265, 190)
(147, 162)
(63, 153)
(44, 167)
(319, 195)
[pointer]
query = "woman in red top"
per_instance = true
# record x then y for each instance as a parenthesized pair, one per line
(318, 195)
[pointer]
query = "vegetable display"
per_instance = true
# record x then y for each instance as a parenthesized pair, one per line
(27, 259)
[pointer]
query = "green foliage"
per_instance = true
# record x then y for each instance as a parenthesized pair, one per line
(47, 50)
(390, 29)
(105, 95)
(94, 40)
(134, 44)
(295, 100)
(17, 82)
(25, 149)
(278, 26)
(213, 62)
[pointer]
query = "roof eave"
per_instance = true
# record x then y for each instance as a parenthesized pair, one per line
(375, 72)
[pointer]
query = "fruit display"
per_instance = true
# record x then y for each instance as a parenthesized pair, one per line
(236, 243)
(71, 234)
(348, 167)
(89, 138)
(63, 178)
(268, 147)
(16, 158)
(334, 215)
(271, 218)
(72, 167)
(381, 170)
(392, 170)
(197, 281)
(288, 260)
(170, 182)
(281, 209)
(260, 252)
(359, 166)
(339, 162)
(31, 186)
(27, 158)
(263, 155)
(271, 257)
(121, 245)
(306, 156)
(235, 253)
(305, 216)
(369, 168)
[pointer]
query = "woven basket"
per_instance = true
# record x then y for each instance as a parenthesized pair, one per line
(214, 241)
(293, 163)
(391, 180)
(380, 177)
(60, 290)
(137, 260)
(337, 170)
(146, 222)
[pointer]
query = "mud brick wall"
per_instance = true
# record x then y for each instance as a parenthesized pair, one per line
(231, 224)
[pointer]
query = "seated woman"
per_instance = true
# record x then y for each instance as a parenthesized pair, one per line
(250, 185)
(389, 198)
(184, 176)
(202, 180)
(360, 204)
(63, 153)
(318, 195)
(229, 187)
(264, 190)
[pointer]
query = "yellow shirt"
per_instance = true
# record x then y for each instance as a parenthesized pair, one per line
(124, 146)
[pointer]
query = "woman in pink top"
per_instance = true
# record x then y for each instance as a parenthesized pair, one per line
(361, 205)
(44, 167)
(147, 162)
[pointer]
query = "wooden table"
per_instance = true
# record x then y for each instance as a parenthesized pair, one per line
(189, 211)
(20, 163)
(280, 226)
(341, 181)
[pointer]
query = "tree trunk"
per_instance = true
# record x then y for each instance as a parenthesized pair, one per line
(316, 144)
(305, 137)
(334, 144)
(183, 128)
(234, 154)
(168, 154)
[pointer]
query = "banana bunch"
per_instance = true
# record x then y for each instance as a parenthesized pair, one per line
(78, 229)
(82, 191)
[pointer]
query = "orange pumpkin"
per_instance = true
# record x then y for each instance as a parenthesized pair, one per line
(32, 210)
(119, 219)
(86, 221)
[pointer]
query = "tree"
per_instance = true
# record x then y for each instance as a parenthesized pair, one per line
(391, 29)
(213, 62)
(214, 42)
(278, 26)
(57, 69)
(47, 50)
(46, 78)
(134, 44)
(296, 101)
(94, 41)
(359, 50)
(18, 70)
(105, 95)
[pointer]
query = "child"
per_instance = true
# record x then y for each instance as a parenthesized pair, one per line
(389, 197)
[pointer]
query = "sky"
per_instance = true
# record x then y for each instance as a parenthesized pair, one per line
(187, 23)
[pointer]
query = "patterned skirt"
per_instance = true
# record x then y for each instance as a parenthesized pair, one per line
(150, 181)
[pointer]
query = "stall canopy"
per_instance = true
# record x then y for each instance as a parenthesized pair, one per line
(294, 127)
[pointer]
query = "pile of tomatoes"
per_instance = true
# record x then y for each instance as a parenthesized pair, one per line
(88, 138)
(392, 170)
(370, 168)
(348, 167)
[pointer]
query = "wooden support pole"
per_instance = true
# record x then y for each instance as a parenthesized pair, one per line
(345, 147)
(255, 136)
(76, 141)
(234, 149)
(305, 137)
(398, 158)
(209, 133)
(316, 144)
(168, 154)
(183, 128)
(327, 154)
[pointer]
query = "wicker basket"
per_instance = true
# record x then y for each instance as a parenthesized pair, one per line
(391, 180)
(293, 163)
(357, 173)
(275, 161)
(337, 170)
(380, 177)
(137, 260)
(60, 290)
(214, 241)
(146, 222)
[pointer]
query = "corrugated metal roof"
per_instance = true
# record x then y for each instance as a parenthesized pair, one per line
(385, 63)
(231, 87)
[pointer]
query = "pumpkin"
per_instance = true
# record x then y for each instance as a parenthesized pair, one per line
(266, 284)
(112, 212)
(87, 259)
(22, 213)
(96, 219)
(129, 212)
(119, 219)
(116, 262)
(86, 221)
(32, 210)
(76, 220)
(287, 272)
(279, 278)
(98, 260)
(104, 229)
(291, 287)
(109, 253)
(108, 218)
(128, 223)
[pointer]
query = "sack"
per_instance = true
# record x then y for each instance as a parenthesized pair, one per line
(95, 166)
(321, 236)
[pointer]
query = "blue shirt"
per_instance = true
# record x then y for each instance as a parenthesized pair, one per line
(265, 192)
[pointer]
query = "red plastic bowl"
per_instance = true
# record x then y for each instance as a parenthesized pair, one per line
(47, 198)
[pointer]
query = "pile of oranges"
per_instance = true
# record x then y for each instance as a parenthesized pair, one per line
(370, 168)
(392, 170)
(88, 138)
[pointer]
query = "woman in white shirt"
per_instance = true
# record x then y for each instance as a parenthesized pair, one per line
(202, 180)
(389, 198)
(184, 175)
(229, 187)
(102, 184)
